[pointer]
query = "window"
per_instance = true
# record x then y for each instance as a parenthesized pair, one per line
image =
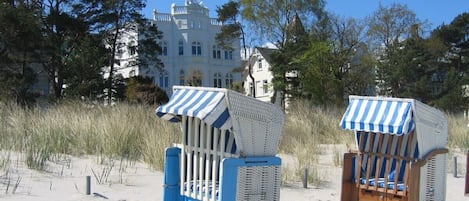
(259, 62)
(182, 77)
(164, 79)
(228, 55)
(216, 52)
(217, 80)
(119, 53)
(164, 48)
(258, 87)
(179, 23)
(181, 47)
(132, 48)
(251, 89)
(196, 48)
(229, 80)
(266, 87)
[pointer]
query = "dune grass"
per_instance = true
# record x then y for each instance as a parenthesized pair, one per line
(130, 132)
(133, 133)
(458, 132)
(306, 127)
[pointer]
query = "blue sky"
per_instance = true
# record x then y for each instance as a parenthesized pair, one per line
(435, 11)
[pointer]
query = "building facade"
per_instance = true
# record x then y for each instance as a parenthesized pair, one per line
(259, 63)
(190, 53)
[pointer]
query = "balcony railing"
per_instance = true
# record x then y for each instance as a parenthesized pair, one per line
(162, 17)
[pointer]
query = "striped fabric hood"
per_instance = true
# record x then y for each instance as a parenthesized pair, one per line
(210, 106)
(380, 115)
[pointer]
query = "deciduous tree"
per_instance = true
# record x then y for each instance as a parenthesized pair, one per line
(387, 28)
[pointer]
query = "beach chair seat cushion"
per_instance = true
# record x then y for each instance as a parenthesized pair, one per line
(380, 181)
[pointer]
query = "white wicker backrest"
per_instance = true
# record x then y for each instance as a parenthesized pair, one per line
(257, 125)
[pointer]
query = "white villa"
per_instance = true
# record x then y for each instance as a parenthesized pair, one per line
(259, 63)
(190, 53)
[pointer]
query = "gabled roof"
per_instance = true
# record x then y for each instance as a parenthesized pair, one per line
(266, 52)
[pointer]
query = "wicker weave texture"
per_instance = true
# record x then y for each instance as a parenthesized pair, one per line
(258, 183)
(257, 125)
(433, 183)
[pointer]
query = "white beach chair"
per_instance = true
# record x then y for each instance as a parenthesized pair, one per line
(228, 148)
(401, 150)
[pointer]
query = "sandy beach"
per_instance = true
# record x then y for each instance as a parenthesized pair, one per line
(65, 180)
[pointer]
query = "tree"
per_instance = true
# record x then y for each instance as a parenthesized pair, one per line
(270, 19)
(62, 34)
(318, 74)
(453, 64)
(148, 48)
(285, 70)
(415, 64)
(112, 19)
(84, 75)
(231, 31)
(351, 58)
(19, 50)
(388, 27)
(143, 90)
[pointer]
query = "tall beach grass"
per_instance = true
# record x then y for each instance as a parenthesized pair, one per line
(130, 132)
(306, 128)
(133, 133)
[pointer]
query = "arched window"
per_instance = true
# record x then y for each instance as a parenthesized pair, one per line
(217, 80)
(216, 52)
(182, 77)
(229, 80)
(164, 48)
(196, 48)
(181, 47)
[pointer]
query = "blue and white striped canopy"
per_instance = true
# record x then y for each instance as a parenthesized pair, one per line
(379, 115)
(208, 105)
